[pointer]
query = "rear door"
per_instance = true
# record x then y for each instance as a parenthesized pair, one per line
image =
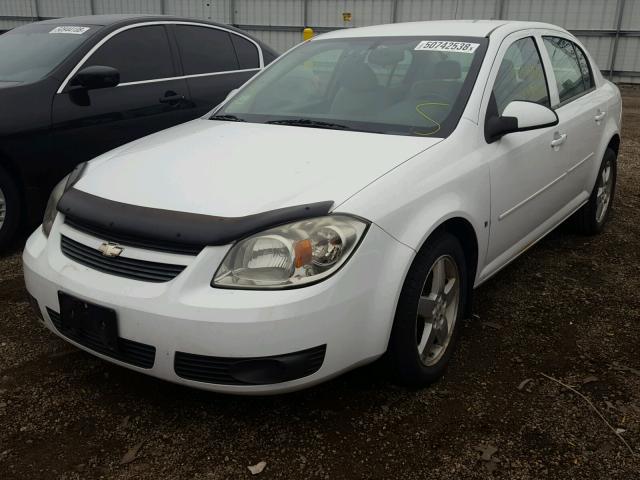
(580, 108)
(214, 62)
(151, 96)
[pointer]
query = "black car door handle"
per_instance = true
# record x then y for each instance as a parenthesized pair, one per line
(171, 99)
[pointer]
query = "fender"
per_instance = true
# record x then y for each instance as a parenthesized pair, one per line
(413, 200)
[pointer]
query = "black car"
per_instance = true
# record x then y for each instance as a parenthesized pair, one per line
(73, 88)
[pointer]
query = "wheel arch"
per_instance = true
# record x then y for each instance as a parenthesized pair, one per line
(10, 167)
(614, 143)
(461, 228)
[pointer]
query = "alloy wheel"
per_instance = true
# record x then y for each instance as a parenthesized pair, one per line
(603, 195)
(437, 310)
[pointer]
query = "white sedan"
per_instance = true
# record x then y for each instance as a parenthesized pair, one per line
(342, 204)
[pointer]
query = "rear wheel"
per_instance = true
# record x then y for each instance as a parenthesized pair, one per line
(9, 209)
(593, 216)
(429, 312)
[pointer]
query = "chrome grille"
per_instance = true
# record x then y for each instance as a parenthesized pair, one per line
(123, 267)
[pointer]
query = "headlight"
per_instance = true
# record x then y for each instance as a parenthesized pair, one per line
(52, 204)
(291, 255)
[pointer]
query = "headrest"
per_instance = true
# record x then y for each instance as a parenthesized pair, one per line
(386, 56)
(447, 70)
(358, 76)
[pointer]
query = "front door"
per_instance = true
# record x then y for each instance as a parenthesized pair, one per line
(149, 97)
(525, 173)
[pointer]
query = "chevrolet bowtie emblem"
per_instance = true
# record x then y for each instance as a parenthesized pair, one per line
(109, 249)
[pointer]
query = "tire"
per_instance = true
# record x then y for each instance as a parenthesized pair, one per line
(420, 312)
(9, 209)
(589, 220)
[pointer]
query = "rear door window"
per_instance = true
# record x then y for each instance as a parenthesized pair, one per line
(570, 75)
(205, 50)
(585, 68)
(246, 52)
(140, 53)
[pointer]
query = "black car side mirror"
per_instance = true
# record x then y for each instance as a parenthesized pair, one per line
(95, 77)
(519, 116)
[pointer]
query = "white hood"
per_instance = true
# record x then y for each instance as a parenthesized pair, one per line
(234, 169)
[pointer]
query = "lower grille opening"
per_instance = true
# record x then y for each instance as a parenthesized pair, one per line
(134, 353)
(35, 306)
(249, 371)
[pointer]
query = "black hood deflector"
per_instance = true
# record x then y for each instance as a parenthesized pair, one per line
(152, 226)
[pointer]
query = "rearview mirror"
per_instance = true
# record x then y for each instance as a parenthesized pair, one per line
(97, 76)
(519, 116)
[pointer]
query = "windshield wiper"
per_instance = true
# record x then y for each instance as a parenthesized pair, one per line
(229, 118)
(305, 122)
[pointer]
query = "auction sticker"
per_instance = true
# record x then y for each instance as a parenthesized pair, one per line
(445, 46)
(72, 29)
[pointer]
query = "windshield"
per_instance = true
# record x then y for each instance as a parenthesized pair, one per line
(394, 85)
(30, 53)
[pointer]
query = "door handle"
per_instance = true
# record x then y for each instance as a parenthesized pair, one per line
(171, 99)
(558, 139)
(599, 116)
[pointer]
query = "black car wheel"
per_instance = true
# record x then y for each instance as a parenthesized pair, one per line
(9, 208)
(593, 216)
(429, 312)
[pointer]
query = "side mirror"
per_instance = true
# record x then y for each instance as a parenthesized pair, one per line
(95, 77)
(519, 116)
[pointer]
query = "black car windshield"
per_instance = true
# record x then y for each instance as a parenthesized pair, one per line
(30, 53)
(395, 85)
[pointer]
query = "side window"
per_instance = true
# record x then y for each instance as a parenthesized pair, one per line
(566, 67)
(521, 76)
(246, 52)
(205, 50)
(140, 53)
(585, 68)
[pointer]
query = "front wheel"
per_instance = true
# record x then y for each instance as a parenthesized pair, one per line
(429, 312)
(593, 216)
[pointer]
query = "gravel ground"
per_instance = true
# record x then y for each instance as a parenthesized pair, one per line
(569, 308)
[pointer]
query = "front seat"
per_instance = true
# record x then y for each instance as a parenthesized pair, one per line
(359, 94)
(444, 84)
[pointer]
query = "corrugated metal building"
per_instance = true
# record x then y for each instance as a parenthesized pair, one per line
(610, 29)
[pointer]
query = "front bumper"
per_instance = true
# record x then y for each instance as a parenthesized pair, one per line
(349, 316)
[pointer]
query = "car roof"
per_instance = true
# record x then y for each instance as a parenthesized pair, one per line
(462, 28)
(128, 19)
(120, 20)
(106, 20)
